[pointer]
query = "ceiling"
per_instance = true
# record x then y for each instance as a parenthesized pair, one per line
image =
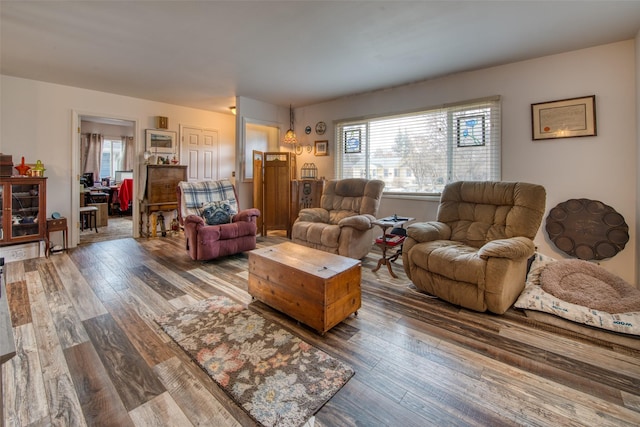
(203, 54)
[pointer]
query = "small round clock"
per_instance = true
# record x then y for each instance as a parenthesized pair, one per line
(321, 127)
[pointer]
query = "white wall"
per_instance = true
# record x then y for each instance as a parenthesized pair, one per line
(36, 122)
(637, 178)
(603, 167)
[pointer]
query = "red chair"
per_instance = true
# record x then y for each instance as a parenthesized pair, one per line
(125, 195)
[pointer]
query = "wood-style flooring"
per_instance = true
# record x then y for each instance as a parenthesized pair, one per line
(89, 352)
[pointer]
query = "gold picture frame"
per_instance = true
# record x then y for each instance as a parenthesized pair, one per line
(565, 118)
(321, 148)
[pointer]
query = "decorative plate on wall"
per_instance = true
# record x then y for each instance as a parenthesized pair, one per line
(321, 127)
(587, 229)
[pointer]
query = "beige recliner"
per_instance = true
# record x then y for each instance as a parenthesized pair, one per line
(475, 254)
(342, 223)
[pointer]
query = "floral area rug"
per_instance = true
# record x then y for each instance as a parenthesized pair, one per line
(277, 378)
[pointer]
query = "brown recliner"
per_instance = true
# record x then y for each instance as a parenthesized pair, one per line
(342, 223)
(475, 253)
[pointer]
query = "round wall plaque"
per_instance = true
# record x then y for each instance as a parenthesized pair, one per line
(587, 229)
(321, 127)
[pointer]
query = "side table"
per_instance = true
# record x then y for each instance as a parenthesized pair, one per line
(56, 224)
(390, 241)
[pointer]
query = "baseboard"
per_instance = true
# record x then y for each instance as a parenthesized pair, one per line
(22, 251)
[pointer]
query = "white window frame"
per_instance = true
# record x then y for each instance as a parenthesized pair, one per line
(458, 111)
(108, 145)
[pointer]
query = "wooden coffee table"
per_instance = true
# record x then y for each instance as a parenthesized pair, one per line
(314, 287)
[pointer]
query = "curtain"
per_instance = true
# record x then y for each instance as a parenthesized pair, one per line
(90, 153)
(129, 153)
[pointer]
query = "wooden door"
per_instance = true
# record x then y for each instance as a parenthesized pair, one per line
(278, 171)
(201, 153)
(276, 189)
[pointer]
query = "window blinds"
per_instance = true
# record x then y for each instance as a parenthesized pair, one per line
(419, 152)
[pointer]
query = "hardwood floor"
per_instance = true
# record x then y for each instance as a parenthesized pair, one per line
(89, 352)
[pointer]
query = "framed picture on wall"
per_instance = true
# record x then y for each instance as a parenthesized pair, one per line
(566, 118)
(161, 141)
(321, 148)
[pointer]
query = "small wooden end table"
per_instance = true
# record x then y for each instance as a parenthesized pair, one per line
(56, 224)
(390, 241)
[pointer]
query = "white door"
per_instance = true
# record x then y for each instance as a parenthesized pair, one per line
(200, 151)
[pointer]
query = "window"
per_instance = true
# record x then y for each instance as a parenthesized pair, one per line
(112, 157)
(420, 152)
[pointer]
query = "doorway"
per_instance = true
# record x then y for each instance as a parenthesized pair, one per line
(106, 152)
(257, 135)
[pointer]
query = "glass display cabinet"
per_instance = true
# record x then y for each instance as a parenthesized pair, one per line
(23, 210)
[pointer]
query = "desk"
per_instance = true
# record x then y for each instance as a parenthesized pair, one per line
(95, 194)
(385, 241)
(56, 224)
(96, 197)
(102, 216)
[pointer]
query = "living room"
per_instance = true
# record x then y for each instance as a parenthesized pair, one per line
(39, 118)
(40, 113)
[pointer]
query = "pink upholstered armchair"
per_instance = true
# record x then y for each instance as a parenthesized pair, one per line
(217, 200)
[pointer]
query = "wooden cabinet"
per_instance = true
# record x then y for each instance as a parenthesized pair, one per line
(160, 190)
(305, 193)
(272, 176)
(24, 209)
